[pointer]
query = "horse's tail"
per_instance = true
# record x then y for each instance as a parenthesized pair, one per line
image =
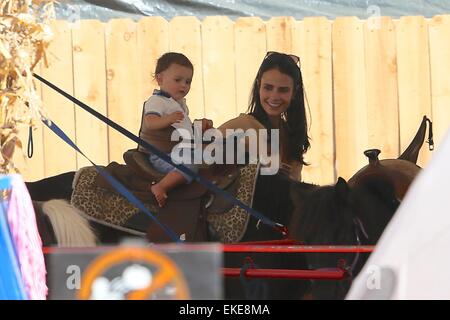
(70, 227)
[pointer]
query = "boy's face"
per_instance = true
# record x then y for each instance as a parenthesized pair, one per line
(175, 80)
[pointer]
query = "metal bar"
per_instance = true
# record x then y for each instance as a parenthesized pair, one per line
(270, 242)
(287, 248)
(296, 249)
(329, 274)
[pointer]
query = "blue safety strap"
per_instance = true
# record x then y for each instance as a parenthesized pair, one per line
(11, 284)
(114, 182)
(209, 185)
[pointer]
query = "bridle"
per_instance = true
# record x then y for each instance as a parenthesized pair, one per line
(360, 231)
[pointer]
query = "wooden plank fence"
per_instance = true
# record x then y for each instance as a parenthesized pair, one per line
(368, 82)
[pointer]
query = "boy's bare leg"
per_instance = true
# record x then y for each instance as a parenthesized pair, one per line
(170, 181)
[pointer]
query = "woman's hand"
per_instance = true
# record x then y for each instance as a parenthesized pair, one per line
(206, 124)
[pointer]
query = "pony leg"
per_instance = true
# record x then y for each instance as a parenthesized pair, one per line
(70, 227)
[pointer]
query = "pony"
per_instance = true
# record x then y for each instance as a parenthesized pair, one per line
(340, 215)
(352, 213)
(62, 224)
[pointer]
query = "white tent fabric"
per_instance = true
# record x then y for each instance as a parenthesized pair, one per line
(265, 9)
(411, 260)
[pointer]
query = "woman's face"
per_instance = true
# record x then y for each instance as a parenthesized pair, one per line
(276, 91)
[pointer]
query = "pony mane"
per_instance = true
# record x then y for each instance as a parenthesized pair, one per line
(322, 214)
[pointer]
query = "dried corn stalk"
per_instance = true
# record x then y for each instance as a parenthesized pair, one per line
(24, 36)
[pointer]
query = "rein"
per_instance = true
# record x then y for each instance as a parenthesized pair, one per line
(358, 227)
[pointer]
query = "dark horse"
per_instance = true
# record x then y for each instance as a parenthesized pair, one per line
(340, 215)
(353, 213)
(278, 207)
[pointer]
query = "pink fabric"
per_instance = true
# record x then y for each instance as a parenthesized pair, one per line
(28, 244)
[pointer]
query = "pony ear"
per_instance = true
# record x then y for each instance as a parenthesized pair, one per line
(341, 189)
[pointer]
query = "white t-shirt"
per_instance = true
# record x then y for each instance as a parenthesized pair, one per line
(162, 105)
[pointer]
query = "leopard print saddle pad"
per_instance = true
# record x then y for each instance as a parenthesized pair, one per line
(109, 207)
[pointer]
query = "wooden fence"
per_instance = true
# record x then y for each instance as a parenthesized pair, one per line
(368, 82)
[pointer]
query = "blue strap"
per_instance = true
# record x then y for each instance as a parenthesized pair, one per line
(114, 182)
(209, 185)
(11, 284)
(5, 182)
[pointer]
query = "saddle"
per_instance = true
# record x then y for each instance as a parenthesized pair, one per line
(223, 176)
(192, 212)
(186, 206)
(398, 172)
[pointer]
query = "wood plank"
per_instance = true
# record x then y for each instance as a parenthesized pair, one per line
(152, 42)
(349, 95)
(219, 69)
(250, 48)
(59, 157)
(185, 37)
(90, 87)
(381, 86)
(122, 76)
(312, 43)
(439, 32)
(413, 79)
(279, 34)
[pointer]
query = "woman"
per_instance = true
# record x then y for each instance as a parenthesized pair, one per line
(277, 102)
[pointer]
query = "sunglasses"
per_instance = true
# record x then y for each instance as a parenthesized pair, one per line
(294, 58)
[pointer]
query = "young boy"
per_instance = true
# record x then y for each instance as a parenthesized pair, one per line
(165, 111)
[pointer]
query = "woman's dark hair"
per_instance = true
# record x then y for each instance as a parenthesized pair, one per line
(295, 116)
(168, 58)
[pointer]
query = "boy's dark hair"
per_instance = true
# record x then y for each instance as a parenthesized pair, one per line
(168, 58)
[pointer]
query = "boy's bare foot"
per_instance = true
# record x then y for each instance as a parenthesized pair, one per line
(159, 193)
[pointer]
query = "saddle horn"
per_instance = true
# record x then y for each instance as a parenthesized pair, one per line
(372, 155)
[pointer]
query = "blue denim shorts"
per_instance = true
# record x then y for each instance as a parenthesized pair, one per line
(164, 167)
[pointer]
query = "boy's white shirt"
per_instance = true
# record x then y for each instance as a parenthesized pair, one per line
(163, 106)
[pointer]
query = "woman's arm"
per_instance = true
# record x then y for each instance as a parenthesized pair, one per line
(244, 122)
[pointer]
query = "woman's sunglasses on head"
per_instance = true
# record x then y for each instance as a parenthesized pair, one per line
(295, 58)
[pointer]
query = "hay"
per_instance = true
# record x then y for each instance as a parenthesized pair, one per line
(24, 37)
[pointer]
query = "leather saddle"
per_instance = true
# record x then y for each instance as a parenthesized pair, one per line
(187, 205)
(397, 172)
(223, 176)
